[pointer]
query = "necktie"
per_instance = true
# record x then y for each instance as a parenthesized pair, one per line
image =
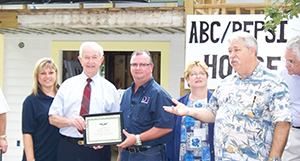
(85, 103)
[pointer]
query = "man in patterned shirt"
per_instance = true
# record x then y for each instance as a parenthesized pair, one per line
(250, 108)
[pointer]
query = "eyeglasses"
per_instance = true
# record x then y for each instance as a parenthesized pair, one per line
(87, 58)
(141, 65)
(289, 62)
(194, 75)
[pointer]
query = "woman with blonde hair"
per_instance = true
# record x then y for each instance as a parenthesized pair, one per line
(39, 137)
(193, 139)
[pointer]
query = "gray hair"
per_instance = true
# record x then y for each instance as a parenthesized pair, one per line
(249, 40)
(294, 45)
(141, 52)
(94, 45)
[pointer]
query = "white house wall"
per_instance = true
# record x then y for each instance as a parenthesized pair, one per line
(19, 65)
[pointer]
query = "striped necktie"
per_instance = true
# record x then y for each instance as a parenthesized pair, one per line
(85, 103)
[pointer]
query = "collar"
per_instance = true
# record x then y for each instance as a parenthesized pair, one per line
(258, 72)
(84, 77)
(294, 75)
(42, 95)
(144, 86)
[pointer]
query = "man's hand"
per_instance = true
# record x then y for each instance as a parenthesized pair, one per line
(98, 147)
(129, 141)
(180, 108)
(79, 123)
(3, 145)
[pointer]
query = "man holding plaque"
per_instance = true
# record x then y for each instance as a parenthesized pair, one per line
(87, 93)
(250, 108)
(147, 126)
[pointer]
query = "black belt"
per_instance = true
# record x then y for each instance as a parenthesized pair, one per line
(296, 127)
(140, 148)
(78, 141)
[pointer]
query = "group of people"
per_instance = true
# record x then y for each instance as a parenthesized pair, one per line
(52, 121)
(253, 114)
(251, 108)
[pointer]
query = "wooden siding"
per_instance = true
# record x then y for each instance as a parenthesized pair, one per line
(19, 65)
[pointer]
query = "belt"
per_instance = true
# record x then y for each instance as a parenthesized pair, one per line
(140, 148)
(296, 127)
(78, 141)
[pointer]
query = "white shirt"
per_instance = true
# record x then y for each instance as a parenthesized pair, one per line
(67, 101)
(293, 82)
(3, 104)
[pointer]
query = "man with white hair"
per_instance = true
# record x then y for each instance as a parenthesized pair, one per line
(250, 108)
(291, 74)
(67, 107)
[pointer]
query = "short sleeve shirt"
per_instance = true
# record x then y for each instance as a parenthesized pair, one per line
(3, 104)
(293, 82)
(144, 109)
(246, 112)
(35, 121)
(67, 101)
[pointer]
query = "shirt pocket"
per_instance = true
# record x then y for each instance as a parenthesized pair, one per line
(143, 115)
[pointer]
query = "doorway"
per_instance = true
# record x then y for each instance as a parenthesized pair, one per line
(115, 68)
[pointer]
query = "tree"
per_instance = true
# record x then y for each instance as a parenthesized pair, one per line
(279, 11)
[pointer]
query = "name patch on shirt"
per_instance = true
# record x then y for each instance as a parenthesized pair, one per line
(145, 100)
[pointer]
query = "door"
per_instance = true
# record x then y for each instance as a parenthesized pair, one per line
(116, 67)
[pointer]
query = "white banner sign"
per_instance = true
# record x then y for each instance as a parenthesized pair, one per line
(207, 35)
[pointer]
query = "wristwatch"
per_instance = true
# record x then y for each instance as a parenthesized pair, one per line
(274, 159)
(2, 136)
(138, 141)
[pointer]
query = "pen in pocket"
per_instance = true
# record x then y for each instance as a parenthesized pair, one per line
(251, 114)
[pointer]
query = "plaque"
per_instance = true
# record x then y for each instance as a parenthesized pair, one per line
(103, 129)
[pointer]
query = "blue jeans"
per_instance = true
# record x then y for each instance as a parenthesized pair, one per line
(153, 154)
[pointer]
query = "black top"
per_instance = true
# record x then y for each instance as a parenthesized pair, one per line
(35, 121)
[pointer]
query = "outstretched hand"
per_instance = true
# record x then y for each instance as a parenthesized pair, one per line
(180, 109)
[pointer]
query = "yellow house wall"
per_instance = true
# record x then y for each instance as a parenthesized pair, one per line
(163, 47)
(1, 60)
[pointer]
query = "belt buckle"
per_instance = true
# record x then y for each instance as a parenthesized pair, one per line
(80, 142)
(132, 149)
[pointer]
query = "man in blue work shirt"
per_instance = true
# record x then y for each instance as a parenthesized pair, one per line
(147, 126)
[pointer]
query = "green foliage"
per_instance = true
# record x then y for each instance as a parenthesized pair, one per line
(279, 11)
